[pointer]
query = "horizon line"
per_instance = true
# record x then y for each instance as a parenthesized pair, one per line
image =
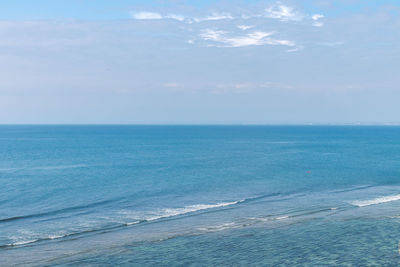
(201, 124)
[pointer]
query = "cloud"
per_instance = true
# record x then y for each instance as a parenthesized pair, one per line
(317, 16)
(153, 15)
(175, 17)
(146, 15)
(283, 13)
(318, 24)
(214, 16)
(242, 36)
(250, 39)
(245, 27)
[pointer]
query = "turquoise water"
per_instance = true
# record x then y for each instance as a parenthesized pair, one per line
(199, 195)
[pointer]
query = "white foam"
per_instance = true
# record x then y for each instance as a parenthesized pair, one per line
(282, 217)
(375, 201)
(170, 212)
(132, 223)
(165, 213)
(56, 236)
(25, 242)
(20, 243)
(220, 227)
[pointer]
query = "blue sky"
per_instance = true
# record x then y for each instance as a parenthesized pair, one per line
(199, 62)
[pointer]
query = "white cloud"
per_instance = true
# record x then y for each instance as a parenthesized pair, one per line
(146, 15)
(254, 38)
(277, 11)
(317, 16)
(213, 35)
(175, 17)
(214, 16)
(245, 27)
(283, 13)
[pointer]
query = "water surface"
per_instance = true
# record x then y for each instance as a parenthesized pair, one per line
(199, 195)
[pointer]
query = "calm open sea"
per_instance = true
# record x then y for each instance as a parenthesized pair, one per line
(199, 195)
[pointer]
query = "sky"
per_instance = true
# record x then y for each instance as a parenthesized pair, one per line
(199, 62)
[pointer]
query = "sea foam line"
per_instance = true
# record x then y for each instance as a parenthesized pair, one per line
(172, 212)
(379, 200)
(25, 242)
(165, 213)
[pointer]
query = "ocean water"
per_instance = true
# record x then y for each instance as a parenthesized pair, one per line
(199, 196)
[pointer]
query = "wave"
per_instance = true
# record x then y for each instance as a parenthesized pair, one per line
(220, 227)
(20, 243)
(165, 213)
(352, 188)
(172, 212)
(26, 242)
(282, 217)
(168, 212)
(60, 236)
(60, 211)
(150, 217)
(249, 222)
(375, 201)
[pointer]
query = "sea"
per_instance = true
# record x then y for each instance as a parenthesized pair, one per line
(120, 195)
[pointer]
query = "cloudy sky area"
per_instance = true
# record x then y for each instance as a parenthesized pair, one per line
(199, 62)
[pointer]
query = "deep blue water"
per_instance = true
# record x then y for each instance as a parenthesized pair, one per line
(199, 195)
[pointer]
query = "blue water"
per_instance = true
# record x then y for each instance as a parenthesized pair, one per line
(199, 195)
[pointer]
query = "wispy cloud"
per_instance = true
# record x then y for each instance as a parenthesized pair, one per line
(221, 38)
(242, 36)
(146, 15)
(316, 18)
(245, 27)
(214, 16)
(143, 15)
(283, 13)
(175, 17)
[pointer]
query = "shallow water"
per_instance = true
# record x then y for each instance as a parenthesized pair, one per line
(199, 195)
